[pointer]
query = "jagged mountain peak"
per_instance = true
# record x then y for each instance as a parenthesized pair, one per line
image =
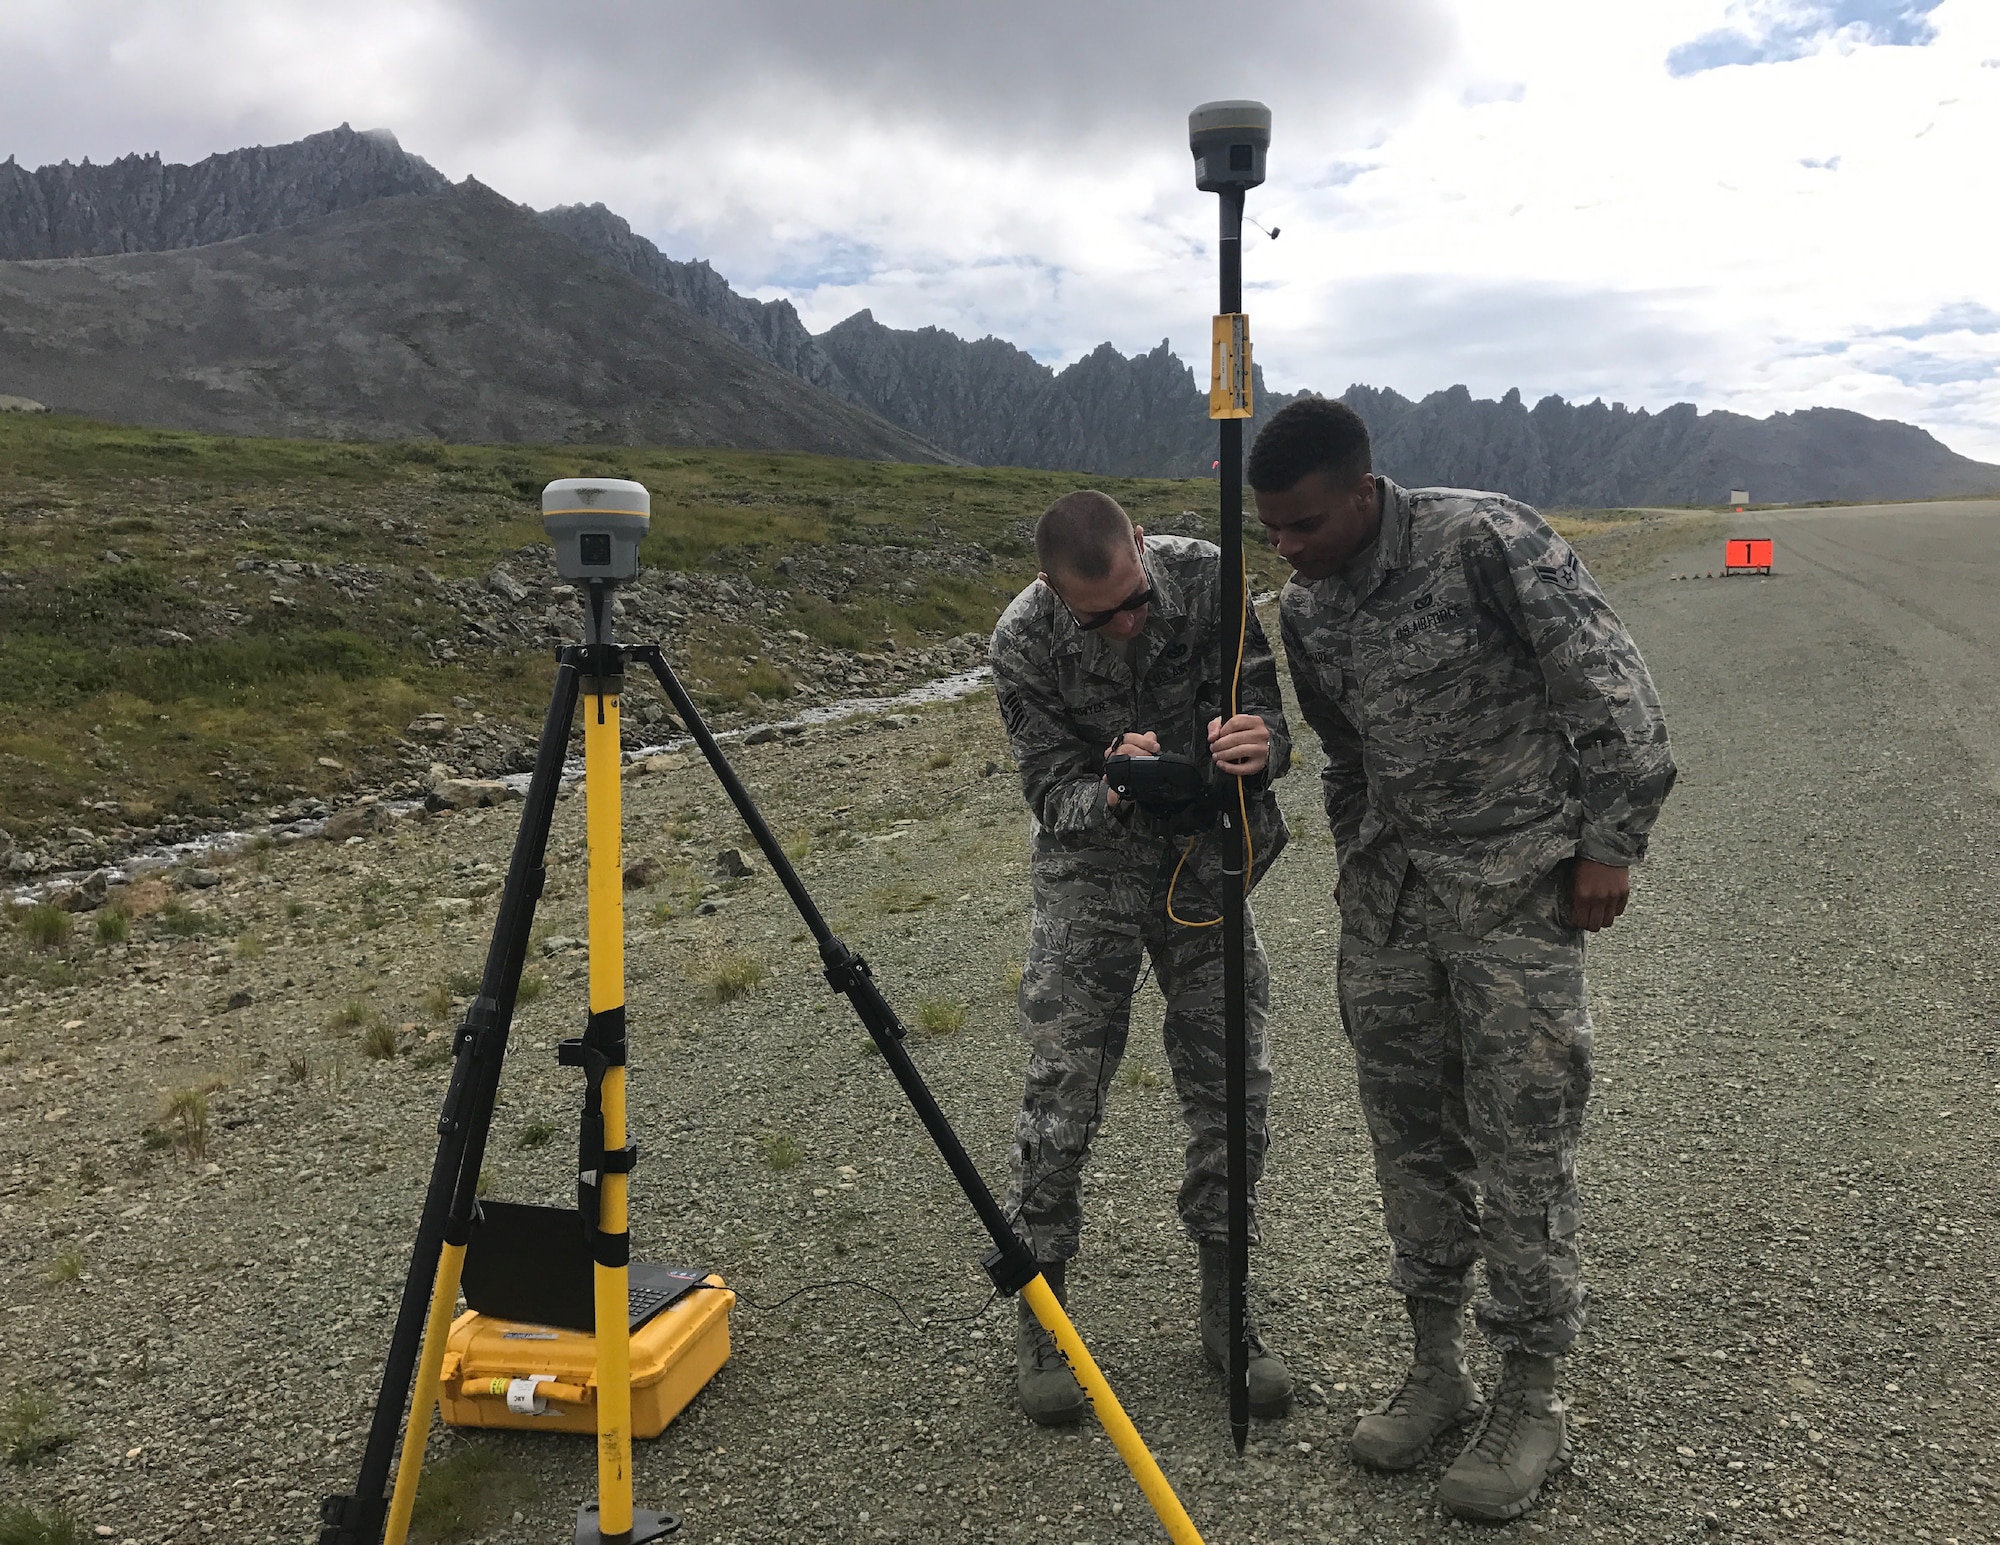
(770, 329)
(142, 203)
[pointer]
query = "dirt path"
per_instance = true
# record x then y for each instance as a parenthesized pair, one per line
(1787, 1168)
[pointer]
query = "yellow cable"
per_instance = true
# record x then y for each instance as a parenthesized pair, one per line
(1242, 800)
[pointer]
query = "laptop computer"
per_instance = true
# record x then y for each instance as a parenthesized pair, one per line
(532, 1264)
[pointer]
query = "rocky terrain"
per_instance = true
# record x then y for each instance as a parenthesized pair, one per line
(205, 634)
(215, 1136)
(97, 341)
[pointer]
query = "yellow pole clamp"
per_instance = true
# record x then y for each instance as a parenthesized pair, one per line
(1229, 372)
(1111, 1415)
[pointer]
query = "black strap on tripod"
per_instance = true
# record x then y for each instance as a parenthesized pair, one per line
(599, 1049)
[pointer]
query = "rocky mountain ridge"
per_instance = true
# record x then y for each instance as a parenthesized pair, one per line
(453, 315)
(770, 329)
(139, 203)
(1588, 455)
(984, 400)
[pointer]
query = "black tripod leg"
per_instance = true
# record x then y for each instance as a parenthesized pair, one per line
(357, 1518)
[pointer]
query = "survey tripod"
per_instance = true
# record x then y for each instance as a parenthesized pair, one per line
(598, 544)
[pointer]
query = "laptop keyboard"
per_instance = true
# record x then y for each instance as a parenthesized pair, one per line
(649, 1298)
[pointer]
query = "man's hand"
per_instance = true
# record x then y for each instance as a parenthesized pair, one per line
(1242, 746)
(1130, 743)
(1597, 894)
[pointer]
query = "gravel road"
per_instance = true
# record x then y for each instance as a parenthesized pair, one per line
(1787, 1170)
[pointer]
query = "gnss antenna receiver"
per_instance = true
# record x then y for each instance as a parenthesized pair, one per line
(596, 526)
(1229, 141)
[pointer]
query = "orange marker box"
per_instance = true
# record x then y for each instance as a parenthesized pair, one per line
(1752, 553)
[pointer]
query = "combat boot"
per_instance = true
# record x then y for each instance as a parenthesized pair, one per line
(1050, 1395)
(1270, 1379)
(1524, 1437)
(1436, 1395)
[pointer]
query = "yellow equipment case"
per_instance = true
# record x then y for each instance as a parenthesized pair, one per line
(506, 1373)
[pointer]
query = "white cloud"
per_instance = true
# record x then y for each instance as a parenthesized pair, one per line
(1776, 31)
(1618, 229)
(1527, 195)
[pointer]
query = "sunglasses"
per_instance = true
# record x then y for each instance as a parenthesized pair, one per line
(1090, 622)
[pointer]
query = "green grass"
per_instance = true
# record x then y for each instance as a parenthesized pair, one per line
(66, 1267)
(182, 921)
(113, 926)
(901, 896)
(781, 1150)
(940, 1016)
(536, 1134)
(31, 1526)
(184, 1120)
(437, 1001)
(255, 688)
(466, 1493)
(45, 927)
(379, 1041)
(30, 1430)
(530, 987)
(352, 1014)
(733, 976)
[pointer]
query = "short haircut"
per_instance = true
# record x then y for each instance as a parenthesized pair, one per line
(1080, 534)
(1313, 434)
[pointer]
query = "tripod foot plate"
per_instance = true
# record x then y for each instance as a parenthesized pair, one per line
(646, 1525)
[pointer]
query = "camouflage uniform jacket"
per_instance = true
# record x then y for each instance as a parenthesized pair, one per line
(1065, 695)
(1484, 712)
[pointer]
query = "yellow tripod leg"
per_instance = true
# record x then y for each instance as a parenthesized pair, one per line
(1111, 1415)
(603, 818)
(444, 1299)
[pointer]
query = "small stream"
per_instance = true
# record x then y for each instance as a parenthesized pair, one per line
(944, 689)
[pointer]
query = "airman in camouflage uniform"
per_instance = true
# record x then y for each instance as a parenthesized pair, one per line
(1151, 675)
(1496, 757)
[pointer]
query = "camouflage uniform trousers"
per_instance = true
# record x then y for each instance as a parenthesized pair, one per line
(1076, 999)
(1473, 1058)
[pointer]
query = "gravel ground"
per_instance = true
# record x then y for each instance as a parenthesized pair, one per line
(1787, 1167)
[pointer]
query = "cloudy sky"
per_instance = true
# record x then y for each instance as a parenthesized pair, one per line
(1753, 204)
